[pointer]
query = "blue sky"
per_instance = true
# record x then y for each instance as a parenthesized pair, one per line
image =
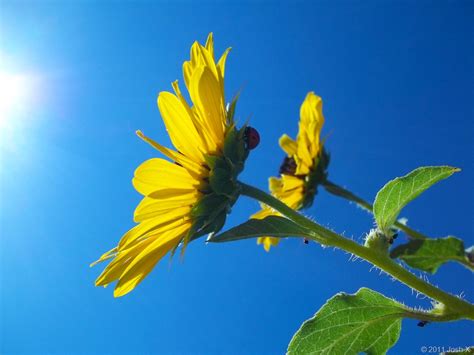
(396, 80)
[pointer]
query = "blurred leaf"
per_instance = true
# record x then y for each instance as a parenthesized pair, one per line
(272, 226)
(349, 324)
(429, 254)
(397, 193)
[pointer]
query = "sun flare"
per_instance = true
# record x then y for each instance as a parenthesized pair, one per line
(15, 92)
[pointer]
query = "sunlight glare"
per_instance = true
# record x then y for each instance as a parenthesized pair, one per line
(19, 102)
(14, 95)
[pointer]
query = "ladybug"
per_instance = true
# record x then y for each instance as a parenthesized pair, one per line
(251, 137)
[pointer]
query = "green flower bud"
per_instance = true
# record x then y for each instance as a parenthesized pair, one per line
(377, 240)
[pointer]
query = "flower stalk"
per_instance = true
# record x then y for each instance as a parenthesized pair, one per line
(339, 191)
(455, 308)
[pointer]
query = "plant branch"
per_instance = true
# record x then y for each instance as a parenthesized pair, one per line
(342, 192)
(456, 308)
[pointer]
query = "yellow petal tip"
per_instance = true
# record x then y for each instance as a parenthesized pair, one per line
(120, 292)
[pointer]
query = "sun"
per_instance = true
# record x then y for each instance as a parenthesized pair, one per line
(15, 92)
(20, 94)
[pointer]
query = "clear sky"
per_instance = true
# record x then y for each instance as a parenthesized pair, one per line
(396, 80)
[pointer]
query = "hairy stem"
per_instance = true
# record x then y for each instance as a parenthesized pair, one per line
(342, 192)
(430, 317)
(456, 308)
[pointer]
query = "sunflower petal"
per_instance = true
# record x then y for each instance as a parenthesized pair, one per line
(264, 212)
(209, 102)
(292, 198)
(190, 66)
(200, 56)
(268, 242)
(106, 256)
(207, 60)
(274, 184)
(201, 125)
(303, 157)
(153, 208)
(151, 228)
(146, 260)
(291, 182)
(180, 126)
(288, 145)
(311, 117)
(117, 266)
(221, 68)
(156, 174)
(210, 44)
(195, 169)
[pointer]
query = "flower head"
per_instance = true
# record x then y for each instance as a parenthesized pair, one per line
(304, 166)
(190, 193)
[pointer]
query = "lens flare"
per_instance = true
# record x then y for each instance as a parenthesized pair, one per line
(15, 92)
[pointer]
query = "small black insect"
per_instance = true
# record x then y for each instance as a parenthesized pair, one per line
(422, 323)
(252, 138)
(306, 241)
(392, 238)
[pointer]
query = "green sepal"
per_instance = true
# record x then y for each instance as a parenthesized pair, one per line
(213, 226)
(208, 224)
(173, 250)
(242, 151)
(225, 164)
(238, 168)
(211, 160)
(208, 204)
(222, 190)
(209, 214)
(231, 110)
(316, 177)
(226, 168)
(234, 145)
(222, 182)
(230, 144)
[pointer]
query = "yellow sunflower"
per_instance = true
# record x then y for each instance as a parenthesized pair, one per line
(303, 168)
(190, 194)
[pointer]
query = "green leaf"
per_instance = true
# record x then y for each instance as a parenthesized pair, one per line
(397, 193)
(429, 254)
(272, 226)
(349, 324)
